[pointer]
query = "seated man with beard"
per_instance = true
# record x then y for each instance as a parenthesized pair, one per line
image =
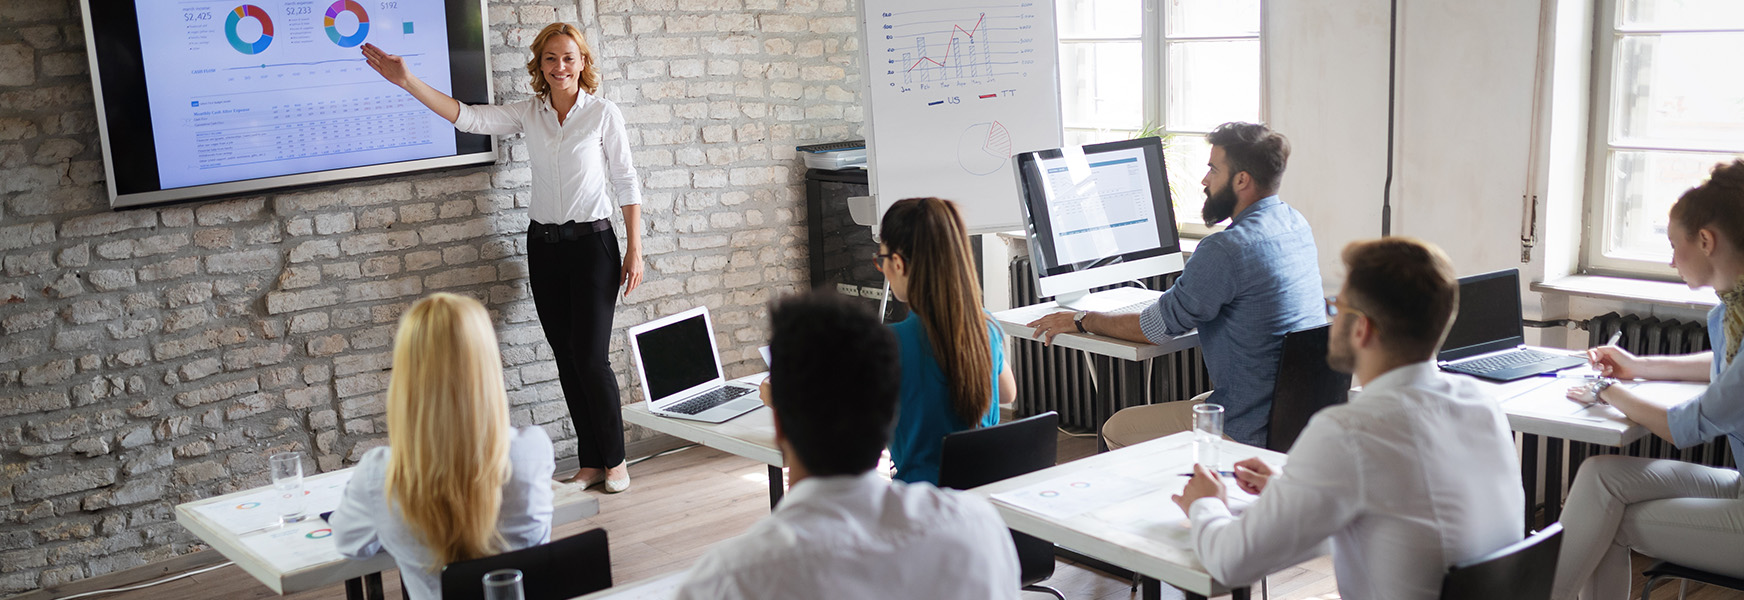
(1243, 288)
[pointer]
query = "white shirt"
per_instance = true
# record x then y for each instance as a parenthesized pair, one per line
(854, 537)
(367, 522)
(1416, 473)
(571, 162)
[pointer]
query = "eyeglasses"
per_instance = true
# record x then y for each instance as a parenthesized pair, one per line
(879, 258)
(1334, 306)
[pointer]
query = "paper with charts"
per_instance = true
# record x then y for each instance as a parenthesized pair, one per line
(259, 509)
(953, 93)
(294, 546)
(1075, 494)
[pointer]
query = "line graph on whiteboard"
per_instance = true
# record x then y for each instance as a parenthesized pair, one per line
(933, 49)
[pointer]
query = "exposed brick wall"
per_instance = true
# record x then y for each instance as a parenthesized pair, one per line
(156, 356)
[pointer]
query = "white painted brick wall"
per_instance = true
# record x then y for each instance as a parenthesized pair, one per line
(156, 356)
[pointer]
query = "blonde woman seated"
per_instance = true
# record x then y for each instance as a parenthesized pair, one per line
(455, 482)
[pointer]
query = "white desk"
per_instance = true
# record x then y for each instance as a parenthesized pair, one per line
(1120, 534)
(663, 587)
(570, 504)
(751, 435)
(1111, 356)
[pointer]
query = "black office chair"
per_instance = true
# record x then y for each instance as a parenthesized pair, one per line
(1524, 570)
(978, 457)
(573, 566)
(1662, 570)
(1305, 385)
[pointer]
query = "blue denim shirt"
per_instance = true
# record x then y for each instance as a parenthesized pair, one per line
(1244, 288)
(1718, 411)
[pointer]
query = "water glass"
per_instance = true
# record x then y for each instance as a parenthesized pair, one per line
(1207, 434)
(287, 478)
(503, 584)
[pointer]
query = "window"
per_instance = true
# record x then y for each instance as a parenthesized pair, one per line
(1667, 107)
(1181, 67)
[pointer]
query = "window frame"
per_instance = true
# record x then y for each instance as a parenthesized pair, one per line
(1602, 149)
(1154, 52)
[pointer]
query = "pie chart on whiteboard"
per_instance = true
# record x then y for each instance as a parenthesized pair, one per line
(984, 148)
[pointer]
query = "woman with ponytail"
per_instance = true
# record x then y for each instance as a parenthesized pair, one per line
(577, 146)
(1670, 510)
(455, 481)
(953, 357)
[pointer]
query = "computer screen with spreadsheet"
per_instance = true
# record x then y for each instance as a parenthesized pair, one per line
(1097, 215)
(204, 98)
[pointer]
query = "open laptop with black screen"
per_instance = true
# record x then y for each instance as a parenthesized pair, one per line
(680, 370)
(1487, 339)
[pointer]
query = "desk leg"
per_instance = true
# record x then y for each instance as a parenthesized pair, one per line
(1151, 589)
(1552, 480)
(1529, 473)
(372, 586)
(354, 589)
(777, 486)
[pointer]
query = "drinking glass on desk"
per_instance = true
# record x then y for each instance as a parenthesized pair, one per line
(1207, 434)
(503, 584)
(287, 477)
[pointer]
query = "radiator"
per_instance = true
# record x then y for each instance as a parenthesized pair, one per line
(1060, 379)
(1645, 336)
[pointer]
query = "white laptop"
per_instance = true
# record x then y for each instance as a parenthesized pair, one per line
(680, 370)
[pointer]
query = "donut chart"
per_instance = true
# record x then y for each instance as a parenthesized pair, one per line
(351, 6)
(266, 29)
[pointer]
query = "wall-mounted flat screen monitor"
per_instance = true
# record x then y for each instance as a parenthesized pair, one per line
(203, 98)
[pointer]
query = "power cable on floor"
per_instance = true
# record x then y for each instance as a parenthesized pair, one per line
(146, 585)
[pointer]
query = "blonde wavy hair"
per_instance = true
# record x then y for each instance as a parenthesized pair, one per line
(590, 78)
(448, 428)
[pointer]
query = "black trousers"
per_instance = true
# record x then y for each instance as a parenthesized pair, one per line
(575, 288)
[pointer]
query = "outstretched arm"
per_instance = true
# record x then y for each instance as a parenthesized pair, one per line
(393, 68)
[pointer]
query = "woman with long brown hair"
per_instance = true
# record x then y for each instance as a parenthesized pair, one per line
(953, 357)
(455, 481)
(577, 144)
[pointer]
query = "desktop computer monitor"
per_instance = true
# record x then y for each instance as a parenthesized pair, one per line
(1096, 216)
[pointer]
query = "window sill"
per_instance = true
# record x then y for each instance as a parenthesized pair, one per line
(1629, 290)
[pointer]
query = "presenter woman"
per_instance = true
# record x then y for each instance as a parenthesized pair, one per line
(578, 148)
(1671, 510)
(455, 481)
(953, 354)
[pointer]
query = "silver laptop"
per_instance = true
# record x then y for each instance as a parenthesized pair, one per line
(680, 370)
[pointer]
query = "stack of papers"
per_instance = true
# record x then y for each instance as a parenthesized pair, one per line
(254, 519)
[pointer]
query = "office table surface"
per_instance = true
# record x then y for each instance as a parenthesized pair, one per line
(751, 435)
(1539, 406)
(658, 588)
(1015, 323)
(569, 504)
(1128, 534)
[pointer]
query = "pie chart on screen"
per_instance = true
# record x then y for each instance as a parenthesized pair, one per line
(984, 148)
(235, 21)
(333, 18)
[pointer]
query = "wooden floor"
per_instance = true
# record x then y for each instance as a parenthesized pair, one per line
(685, 502)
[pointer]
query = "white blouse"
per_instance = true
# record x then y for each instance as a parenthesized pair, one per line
(572, 161)
(367, 522)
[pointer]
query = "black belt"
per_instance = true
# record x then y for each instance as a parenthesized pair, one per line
(568, 231)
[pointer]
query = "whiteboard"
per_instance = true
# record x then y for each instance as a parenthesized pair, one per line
(954, 90)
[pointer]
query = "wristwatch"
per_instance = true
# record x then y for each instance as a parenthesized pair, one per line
(1078, 319)
(1600, 385)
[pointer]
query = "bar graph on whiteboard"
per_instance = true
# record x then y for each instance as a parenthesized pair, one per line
(947, 49)
(954, 89)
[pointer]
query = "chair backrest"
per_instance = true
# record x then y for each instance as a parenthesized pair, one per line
(573, 566)
(1524, 570)
(1305, 385)
(977, 457)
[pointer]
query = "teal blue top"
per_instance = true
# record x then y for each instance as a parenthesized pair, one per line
(925, 416)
